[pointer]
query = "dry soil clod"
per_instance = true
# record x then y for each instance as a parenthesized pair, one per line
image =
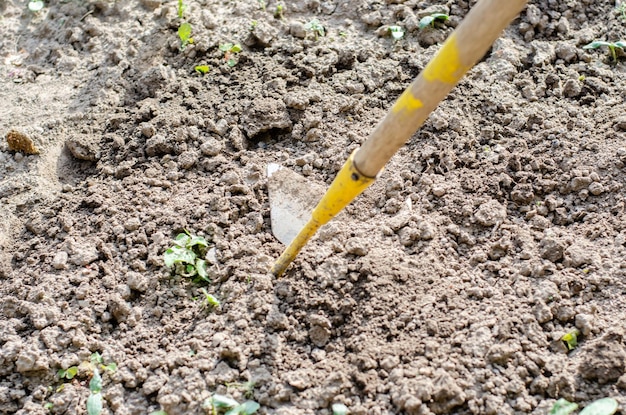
(21, 142)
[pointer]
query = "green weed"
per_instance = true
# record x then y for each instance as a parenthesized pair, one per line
(611, 45)
(604, 406)
(315, 27)
(209, 300)
(279, 13)
(571, 339)
(95, 402)
(431, 19)
(186, 256)
(202, 69)
(621, 9)
(181, 9)
(35, 5)
(339, 409)
(396, 32)
(223, 404)
(184, 33)
(230, 52)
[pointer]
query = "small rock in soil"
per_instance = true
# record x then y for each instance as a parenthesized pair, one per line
(605, 359)
(21, 142)
(265, 114)
(490, 213)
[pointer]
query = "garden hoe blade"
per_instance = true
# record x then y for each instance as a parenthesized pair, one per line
(464, 47)
(292, 199)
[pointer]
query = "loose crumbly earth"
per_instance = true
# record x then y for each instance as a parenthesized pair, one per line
(444, 289)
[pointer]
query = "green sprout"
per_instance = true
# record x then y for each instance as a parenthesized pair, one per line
(262, 5)
(431, 19)
(223, 404)
(184, 33)
(68, 373)
(160, 412)
(181, 9)
(186, 256)
(397, 32)
(95, 401)
(230, 50)
(611, 45)
(279, 13)
(209, 300)
(604, 406)
(339, 409)
(35, 5)
(202, 69)
(315, 27)
(571, 339)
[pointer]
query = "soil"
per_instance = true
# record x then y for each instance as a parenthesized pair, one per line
(444, 289)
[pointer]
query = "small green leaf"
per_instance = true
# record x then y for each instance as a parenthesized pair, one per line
(430, 19)
(71, 372)
(201, 269)
(604, 406)
(231, 62)
(396, 32)
(202, 68)
(111, 367)
(236, 48)
(197, 240)
(246, 408)
(161, 412)
(190, 270)
(210, 299)
(95, 384)
(597, 44)
(224, 47)
(48, 406)
(35, 5)
(184, 33)
(563, 407)
(177, 254)
(96, 358)
(94, 404)
(221, 401)
(339, 409)
(182, 239)
(571, 339)
(620, 44)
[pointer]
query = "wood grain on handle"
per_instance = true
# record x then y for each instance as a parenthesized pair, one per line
(463, 48)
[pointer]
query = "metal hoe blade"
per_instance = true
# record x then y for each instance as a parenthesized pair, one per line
(292, 199)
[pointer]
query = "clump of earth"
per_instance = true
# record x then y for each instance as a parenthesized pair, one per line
(445, 288)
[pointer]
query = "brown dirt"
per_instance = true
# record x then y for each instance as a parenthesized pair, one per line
(444, 289)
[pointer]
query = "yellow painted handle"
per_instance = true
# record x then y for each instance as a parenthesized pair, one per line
(463, 48)
(348, 184)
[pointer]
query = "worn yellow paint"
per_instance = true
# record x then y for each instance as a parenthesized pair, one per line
(446, 66)
(407, 102)
(348, 184)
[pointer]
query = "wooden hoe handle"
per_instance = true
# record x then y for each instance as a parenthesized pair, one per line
(463, 48)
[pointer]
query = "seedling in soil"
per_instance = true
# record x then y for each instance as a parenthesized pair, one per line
(184, 33)
(611, 45)
(186, 256)
(219, 404)
(431, 19)
(230, 51)
(396, 32)
(202, 69)
(339, 409)
(35, 5)
(604, 406)
(95, 402)
(315, 27)
(279, 13)
(262, 5)
(181, 9)
(571, 339)
(209, 300)
(161, 412)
